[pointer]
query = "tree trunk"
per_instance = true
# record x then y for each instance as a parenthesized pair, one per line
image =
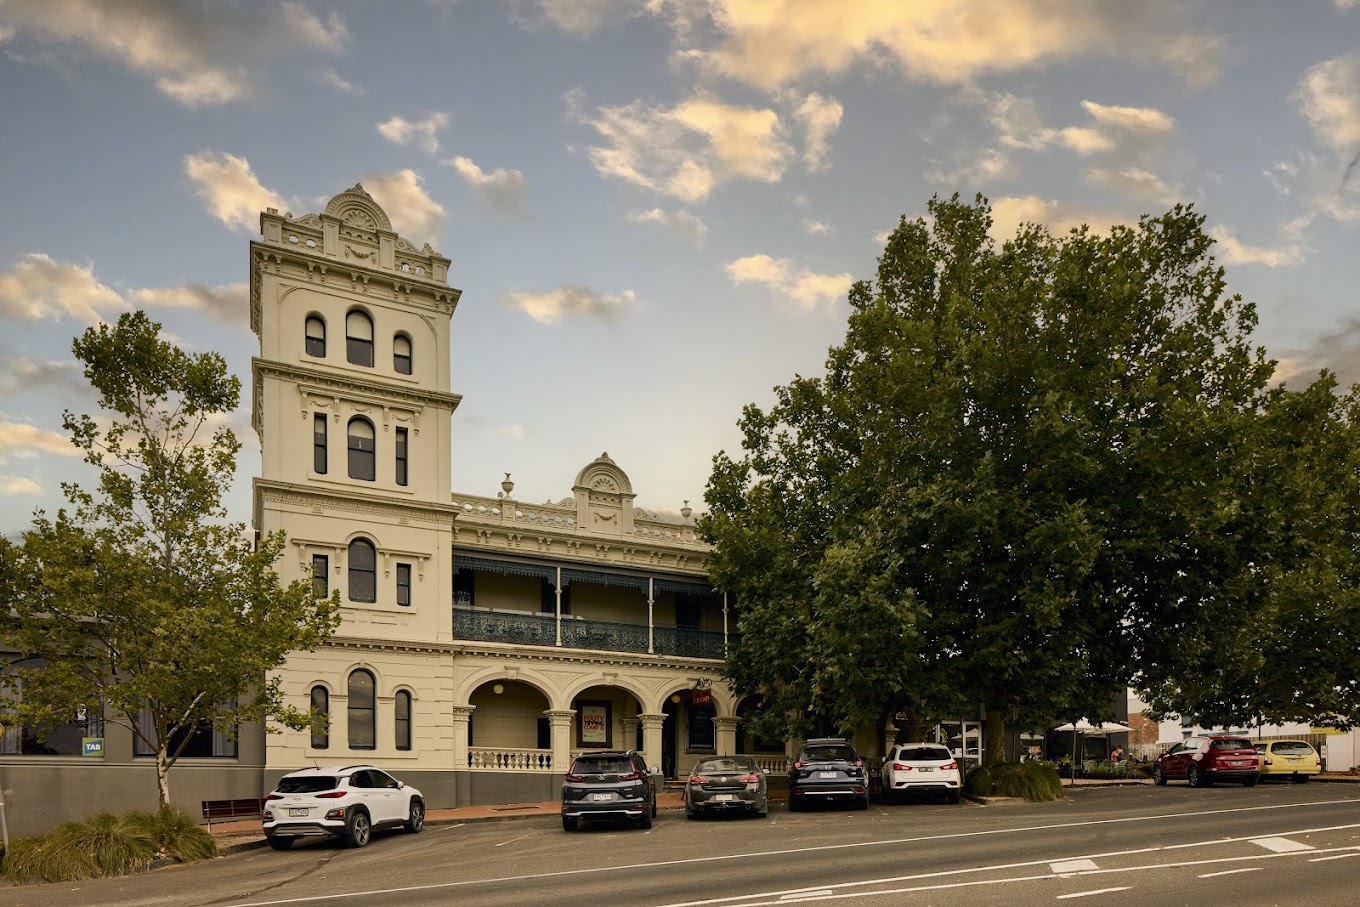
(163, 775)
(994, 739)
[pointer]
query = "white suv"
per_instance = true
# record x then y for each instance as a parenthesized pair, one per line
(344, 802)
(921, 768)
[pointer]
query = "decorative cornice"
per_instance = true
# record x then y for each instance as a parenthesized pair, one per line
(352, 276)
(553, 655)
(372, 391)
(350, 500)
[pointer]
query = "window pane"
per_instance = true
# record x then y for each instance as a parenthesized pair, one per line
(403, 709)
(319, 459)
(316, 337)
(363, 572)
(401, 355)
(321, 704)
(404, 584)
(359, 339)
(321, 575)
(401, 456)
(362, 728)
(362, 450)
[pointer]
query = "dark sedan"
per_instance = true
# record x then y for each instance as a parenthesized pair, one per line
(722, 784)
(828, 769)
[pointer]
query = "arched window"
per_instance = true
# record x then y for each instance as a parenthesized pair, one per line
(321, 707)
(359, 339)
(401, 354)
(362, 449)
(403, 705)
(363, 727)
(363, 571)
(316, 337)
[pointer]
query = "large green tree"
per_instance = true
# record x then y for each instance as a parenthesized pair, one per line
(1030, 475)
(142, 598)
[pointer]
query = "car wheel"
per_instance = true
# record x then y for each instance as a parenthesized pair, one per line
(653, 809)
(279, 842)
(954, 796)
(1195, 777)
(360, 829)
(569, 823)
(646, 820)
(1251, 782)
(417, 820)
(764, 811)
(1158, 776)
(691, 814)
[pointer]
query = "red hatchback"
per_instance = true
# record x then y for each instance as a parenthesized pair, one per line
(1204, 760)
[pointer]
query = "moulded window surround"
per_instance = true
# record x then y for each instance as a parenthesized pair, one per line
(362, 450)
(319, 454)
(321, 570)
(321, 705)
(402, 703)
(403, 448)
(363, 571)
(404, 585)
(401, 354)
(316, 337)
(359, 339)
(363, 725)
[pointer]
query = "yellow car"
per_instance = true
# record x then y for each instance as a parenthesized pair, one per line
(1288, 758)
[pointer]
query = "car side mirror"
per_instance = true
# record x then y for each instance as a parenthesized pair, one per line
(401, 785)
(764, 771)
(654, 770)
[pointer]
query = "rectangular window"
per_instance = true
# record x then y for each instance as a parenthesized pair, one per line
(404, 585)
(401, 456)
(544, 733)
(547, 598)
(464, 587)
(319, 444)
(321, 575)
(203, 740)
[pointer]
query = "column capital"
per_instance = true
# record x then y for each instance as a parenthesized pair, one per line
(726, 722)
(462, 712)
(560, 716)
(651, 720)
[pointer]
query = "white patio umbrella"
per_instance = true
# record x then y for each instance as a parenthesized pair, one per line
(1086, 728)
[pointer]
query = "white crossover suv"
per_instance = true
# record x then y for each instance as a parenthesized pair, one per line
(924, 768)
(342, 802)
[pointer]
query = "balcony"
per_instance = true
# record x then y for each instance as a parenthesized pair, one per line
(541, 630)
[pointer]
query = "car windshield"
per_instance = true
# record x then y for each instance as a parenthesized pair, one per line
(602, 765)
(718, 766)
(924, 754)
(308, 784)
(1292, 748)
(1232, 744)
(831, 752)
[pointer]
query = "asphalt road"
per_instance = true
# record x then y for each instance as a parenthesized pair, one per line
(1273, 844)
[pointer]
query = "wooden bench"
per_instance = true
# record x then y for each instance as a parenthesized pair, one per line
(232, 809)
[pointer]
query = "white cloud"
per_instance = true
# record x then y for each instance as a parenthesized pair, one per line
(690, 225)
(39, 288)
(503, 188)
(986, 166)
(1133, 182)
(1019, 124)
(815, 227)
(1338, 351)
(14, 486)
(578, 17)
(1329, 98)
(24, 441)
(687, 150)
(1235, 252)
(197, 54)
(1140, 120)
(820, 117)
(19, 374)
(785, 277)
(234, 195)
(1344, 5)
(329, 77)
(413, 213)
(565, 302)
(1009, 213)
(227, 303)
(423, 133)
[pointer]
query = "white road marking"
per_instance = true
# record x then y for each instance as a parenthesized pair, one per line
(1073, 866)
(513, 840)
(447, 827)
(1228, 872)
(564, 873)
(1087, 894)
(799, 895)
(1282, 845)
(1338, 856)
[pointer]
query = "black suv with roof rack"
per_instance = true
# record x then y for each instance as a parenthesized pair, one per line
(828, 769)
(609, 785)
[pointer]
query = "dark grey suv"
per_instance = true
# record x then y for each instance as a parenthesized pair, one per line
(614, 785)
(828, 768)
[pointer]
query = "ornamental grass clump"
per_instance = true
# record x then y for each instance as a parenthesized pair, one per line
(1036, 782)
(107, 844)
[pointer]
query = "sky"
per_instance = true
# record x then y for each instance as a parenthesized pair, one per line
(654, 208)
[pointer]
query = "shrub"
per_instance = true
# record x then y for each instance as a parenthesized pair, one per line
(1034, 781)
(107, 844)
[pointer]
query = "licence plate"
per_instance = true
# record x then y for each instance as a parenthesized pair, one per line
(604, 795)
(1293, 758)
(723, 798)
(295, 811)
(923, 769)
(826, 774)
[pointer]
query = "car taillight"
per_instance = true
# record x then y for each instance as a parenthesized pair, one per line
(949, 767)
(576, 777)
(632, 776)
(697, 779)
(857, 763)
(331, 795)
(750, 779)
(800, 765)
(274, 797)
(1268, 762)
(899, 767)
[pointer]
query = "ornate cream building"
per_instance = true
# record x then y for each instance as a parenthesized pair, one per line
(484, 640)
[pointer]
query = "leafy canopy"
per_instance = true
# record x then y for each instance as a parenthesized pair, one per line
(142, 595)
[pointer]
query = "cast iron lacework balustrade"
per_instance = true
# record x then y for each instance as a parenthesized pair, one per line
(509, 760)
(541, 630)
